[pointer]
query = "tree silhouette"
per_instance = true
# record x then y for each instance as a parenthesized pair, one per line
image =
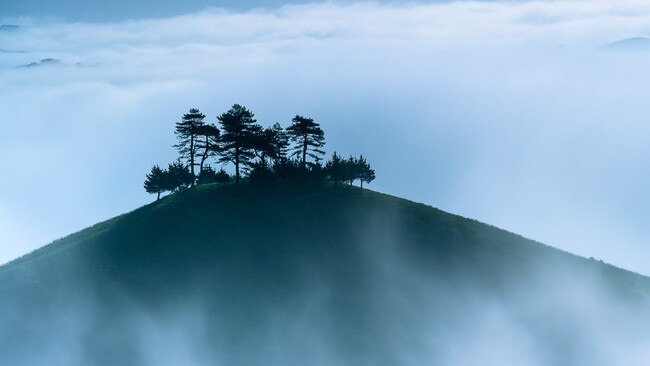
(207, 175)
(335, 168)
(316, 172)
(309, 138)
(365, 173)
(261, 173)
(207, 144)
(350, 170)
(239, 131)
(279, 140)
(288, 169)
(263, 146)
(221, 176)
(178, 177)
(271, 144)
(155, 181)
(260, 153)
(186, 132)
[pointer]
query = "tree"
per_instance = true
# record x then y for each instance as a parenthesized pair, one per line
(317, 173)
(207, 144)
(222, 176)
(178, 177)
(262, 145)
(261, 173)
(335, 168)
(288, 169)
(271, 143)
(155, 181)
(350, 170)
(239, 129)
(309, 138)
(279, 141)
(186, 132)
(207, 175)
(365, 174)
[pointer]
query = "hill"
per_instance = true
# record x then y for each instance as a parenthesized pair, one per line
(44, 62)
(629, 44)
(245, 275)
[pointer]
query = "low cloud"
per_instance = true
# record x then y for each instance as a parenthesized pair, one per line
(396, 309)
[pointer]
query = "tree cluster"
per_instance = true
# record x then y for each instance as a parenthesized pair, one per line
(257, 154)
(340, 170)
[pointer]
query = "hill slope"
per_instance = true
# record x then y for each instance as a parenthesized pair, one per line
(243, 275)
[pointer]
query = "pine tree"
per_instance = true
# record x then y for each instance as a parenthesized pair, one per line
(154, 182)
(334, 168)
(365, 173)
(263, 146)
(309, 139)
(350, 170)
(271, 144)
(288, 169)
(222, 176)
(207, 175)
(239, 131)
(178, 177)
(280, 141)
(207, 144)
(186, 132)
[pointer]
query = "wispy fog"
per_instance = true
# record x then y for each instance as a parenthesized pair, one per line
(395, 310)
(510, 113)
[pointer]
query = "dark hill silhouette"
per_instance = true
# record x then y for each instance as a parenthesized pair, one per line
(286, 275)
(9, 28)
(44, 62)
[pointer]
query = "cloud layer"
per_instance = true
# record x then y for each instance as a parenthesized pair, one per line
(505, 112)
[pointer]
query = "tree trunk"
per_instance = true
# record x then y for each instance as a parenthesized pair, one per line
(237, 166)
(304, 153)
(192, 156)
(158, 198)
(204, 157)
(361, 182)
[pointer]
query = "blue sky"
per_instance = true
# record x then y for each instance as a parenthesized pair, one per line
(506, 112)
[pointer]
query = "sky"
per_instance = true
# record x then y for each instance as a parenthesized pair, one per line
(511, 113)
(112, 10)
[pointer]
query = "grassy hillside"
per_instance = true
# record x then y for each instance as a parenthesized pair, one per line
(352, 265)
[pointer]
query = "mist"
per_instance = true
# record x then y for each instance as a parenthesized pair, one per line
(511, 113)
(390, 303)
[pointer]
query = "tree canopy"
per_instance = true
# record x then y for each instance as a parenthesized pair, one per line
(208, 143)
(259, 155)
(154, 182)
(309, 139)
(186, 132)
(239, 132)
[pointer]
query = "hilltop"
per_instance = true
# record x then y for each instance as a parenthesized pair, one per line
(363, 270)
